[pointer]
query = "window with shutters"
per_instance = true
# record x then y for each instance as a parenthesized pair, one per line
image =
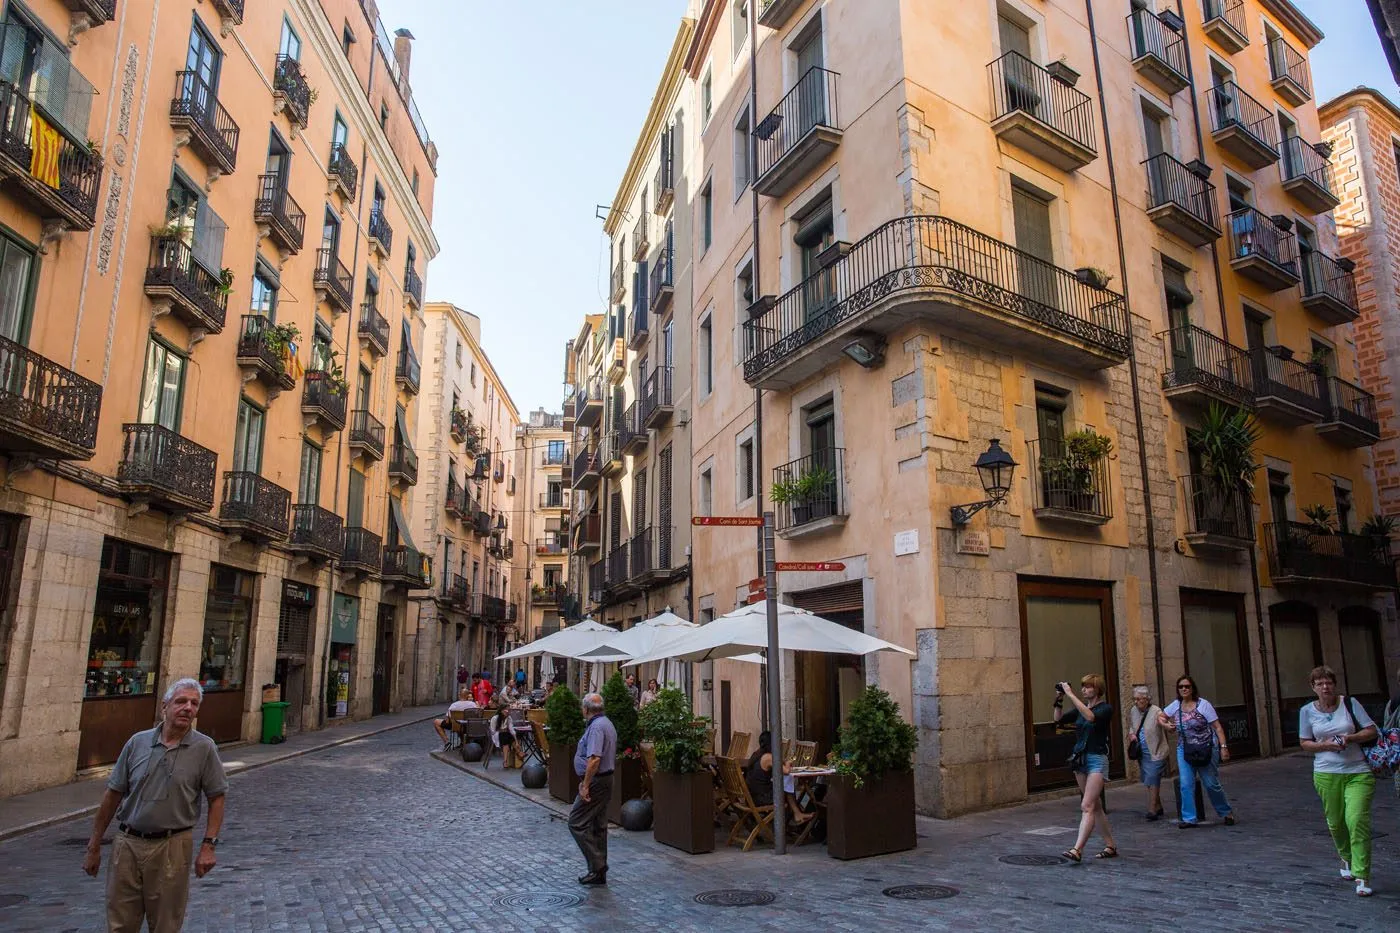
(639, 501)
(663, 508)
(615, 518)
(1031, 214)
(187, 211)
(163, 393)
(309, 478)
(355, 500)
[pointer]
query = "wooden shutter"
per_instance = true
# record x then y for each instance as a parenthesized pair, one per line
(843, 597)
(663, 509)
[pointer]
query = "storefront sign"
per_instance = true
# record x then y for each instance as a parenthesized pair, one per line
(974, 542)
(345, 619)
(298, 593)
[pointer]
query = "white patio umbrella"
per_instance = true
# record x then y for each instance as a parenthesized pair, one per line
(746, 629)
(643, 638)
(568, 642)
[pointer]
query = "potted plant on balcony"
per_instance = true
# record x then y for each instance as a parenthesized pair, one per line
(1062, 72)
(682, 790)
(811, 488)
(1379, 528)
(627, 776)
(1070, 479)
(1224, 442)
(1093, 276)
(281, 342)
(870, 806)
(565, 722)
(1320, 519)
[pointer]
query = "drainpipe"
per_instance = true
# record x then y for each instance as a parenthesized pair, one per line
(757, 291)
(1151, 528)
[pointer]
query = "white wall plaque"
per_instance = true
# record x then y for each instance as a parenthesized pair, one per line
(906, 542)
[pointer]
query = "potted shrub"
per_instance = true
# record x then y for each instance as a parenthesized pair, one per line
(1224, 442)
(1062, 72)
(565, 722)
(1319, 519)
(1093, 276)
(627, 774)
(1379, 529)
(682, 791)
(870, 806)
(810, 488)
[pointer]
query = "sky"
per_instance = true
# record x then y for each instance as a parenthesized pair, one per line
(535, 108)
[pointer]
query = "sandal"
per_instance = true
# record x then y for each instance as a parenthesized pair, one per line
(1073, 854)
(1108, 852)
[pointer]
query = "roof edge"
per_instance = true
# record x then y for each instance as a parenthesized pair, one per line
(1292, 17)
(1361, 91)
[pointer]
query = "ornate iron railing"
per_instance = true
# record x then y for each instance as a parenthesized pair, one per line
(1230, 12)
(316, 528)
(1230, 106)
(173, 264)
(1323, 275)
(1065, 484)
(1352, 405)
(1297, 549)
(157, 457)
(810, 104)
(619, 568)
(276, 207)
(455, 589)
(408, 371)
(656, 392)
(253, 344)
(922, 252)
(490, 608)
(197, 102)
(1255, 234)
(1195, 356)
(1287, 62)
(250, 498)
(629, 428)
(458, 425)
(412, 284)
(324, 397)
(362, 548)
(403, 462)
(367, 430)
(39, 397)
(380, 230)
(1170, 182)
(233, 9)
(1301, 160)
(346, 172)
(1152, 37)
(1214, 509)
(79, 167)
(407, 563)
(642, 559)
(618, 281)
(332, 276)
(1019, 84)
(822, 475)
(374, 327)
(288, 80)
(660, 282)
(1287, 379)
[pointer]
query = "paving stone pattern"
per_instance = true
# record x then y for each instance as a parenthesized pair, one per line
(376, 835)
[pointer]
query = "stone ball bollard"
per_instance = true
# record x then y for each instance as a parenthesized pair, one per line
(534, 775)
(636, 815)
(472, 751)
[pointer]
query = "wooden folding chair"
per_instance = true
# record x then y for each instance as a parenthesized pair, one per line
(541, 739)
(739, 746)
(805, 754)
(746, 812)
(787, 751)
(724, 796)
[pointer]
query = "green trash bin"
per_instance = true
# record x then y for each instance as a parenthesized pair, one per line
(274, 723)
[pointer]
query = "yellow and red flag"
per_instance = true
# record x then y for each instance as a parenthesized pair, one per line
(290, 364)
(45, 143)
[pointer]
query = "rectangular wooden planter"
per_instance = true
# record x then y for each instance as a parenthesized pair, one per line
(874, 820)
(563, 782)
(626, 785)
(683, 808)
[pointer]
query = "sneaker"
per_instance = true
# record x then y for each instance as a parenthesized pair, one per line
(1188, 824)
(1229, 819)
(1153, 817)
(1346, 871)
(1362, 888)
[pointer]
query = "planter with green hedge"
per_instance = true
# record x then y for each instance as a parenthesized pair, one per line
(627, 774)
(682, 791)
(870, 806)
(565, 719)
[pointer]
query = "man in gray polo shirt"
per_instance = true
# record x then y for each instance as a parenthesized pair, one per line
(154, 792)
(593, 763)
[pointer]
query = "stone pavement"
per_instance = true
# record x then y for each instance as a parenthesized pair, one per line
(377, 835)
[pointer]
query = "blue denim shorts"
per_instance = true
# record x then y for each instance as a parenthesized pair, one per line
(1094, 764)
(1152, 769)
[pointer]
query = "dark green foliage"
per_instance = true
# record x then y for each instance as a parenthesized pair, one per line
(678, 737)
(875, 740)
(565, 716)
(618, 707)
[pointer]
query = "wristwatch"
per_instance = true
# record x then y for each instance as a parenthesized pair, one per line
(211, 841)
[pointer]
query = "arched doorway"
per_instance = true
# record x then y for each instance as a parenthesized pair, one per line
(1297, 650)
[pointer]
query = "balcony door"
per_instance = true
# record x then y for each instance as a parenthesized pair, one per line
(248, 438)
(330, 234)
(821, 447)
(1178, 295)
(1307, 245)
(815, 232)
(811, 94)
(355, 500)
(362, 389)
(1031, 215)
(16, 298)
(1050, 406)
(1020, 92)
(202, 66)
(309, 477)
(279, 161)
(163, 389)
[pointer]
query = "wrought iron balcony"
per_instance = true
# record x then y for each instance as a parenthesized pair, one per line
(663, 186)
(45, 410)
(1304, 554)
(641, 237)
(1218, 519)
(661, 286)
(332, 280)
(774, 13)
(818, 501)
(1225, 23)
(588, 402)
(407, 565)
(255, 507)
(229, 10)
(642, 553)
(551, 545)
(456, 500)
(316, 532)
(597, 581)
(1181, 201)
(1288, 72)
(278, 215)
(554, 456)
(73, 201)
(374, 330)
(455, 590)
(1286, 390)
(1159, 50)
(363, 553)
(588, 532)
(166, 470)
(290, 90)
(631, 436)
(323, 400)
(1262, 250)
(618, 281)
(193, 293)
(344, 174)
(366, 435)
(1037, 112)
(610, 454)
(1066, 489)
(458, 425)
(1202, 368)
(656, 402)
(932, 267)
(487, 608)
(1307, 176)
(381, 235)
(408, 372)
(96, 11)
(587, 468)
(403, 465)
(798, 134)
(638, 322)
(548, 595)
(1329, 288)
(556, 498)
(1350, 419)
(412, 286)
(619, 567)
(212, 132)
(261, 354)
(1242, 126)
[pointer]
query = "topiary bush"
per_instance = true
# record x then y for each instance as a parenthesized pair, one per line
(675, 733)
(565, 716)
(875, 740)
(618, 707)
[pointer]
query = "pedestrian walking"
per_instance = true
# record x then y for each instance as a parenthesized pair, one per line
(1334, 728)
(1092, 718)
(1391, 721)
(593, 763)
(154, 792)
(1153, 748)
(1200, 748)
(634, 690)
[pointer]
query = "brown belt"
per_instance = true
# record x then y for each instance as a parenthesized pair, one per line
(158, 834)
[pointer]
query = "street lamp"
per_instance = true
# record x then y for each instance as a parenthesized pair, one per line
(995, 468)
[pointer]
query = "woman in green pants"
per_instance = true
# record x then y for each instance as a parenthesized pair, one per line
(1334, 728)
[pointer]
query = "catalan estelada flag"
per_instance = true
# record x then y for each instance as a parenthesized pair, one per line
(290, 364)
(44, 141)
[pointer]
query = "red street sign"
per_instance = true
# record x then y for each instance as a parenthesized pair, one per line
(730, 521)
(757, 585)
(810, 565)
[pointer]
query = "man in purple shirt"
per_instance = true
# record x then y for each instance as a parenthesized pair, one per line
(593, 763)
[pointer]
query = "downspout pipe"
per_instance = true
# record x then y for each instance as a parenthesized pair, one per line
(759, 567)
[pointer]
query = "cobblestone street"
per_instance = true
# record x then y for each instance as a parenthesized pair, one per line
(376, 835)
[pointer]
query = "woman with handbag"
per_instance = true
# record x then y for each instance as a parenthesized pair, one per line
(1334, 729)
(1092, 717)
(1200, 747)
(1149, 748)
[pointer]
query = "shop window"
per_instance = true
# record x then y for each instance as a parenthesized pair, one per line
(128, 622)
(228, 618)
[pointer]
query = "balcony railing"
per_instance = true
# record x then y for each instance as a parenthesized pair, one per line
(1329, 287)
(1064, 487)
(1242, 126)
(664, 185)
(642, 556)
(458, 425)
(555, 456)
(275, 207)
(343, 171)
(619, 566)
(367, 434)
(555, 499)
(1303, 553)
(1261, 249)
(406, 564)
(408, 372)
(232, 10)
(597, 580)
(1288, 70)
(488, 608)
(801, 131)
(374, 329)
(196, 109)
(403, 464)
(1180, 200)
(1202, 368)
(1351, 417)
(550, 545)
(1284, 388)
(333, 279)
(380, 231)
(930, 253)
(166, 469)
(656, 403)
(363, 551)
(74, 199)
(638, 322)
(1020, 86)
(641, 237)
(618, 281)
(315, 531)
(588, 531)
(1307, 175)
(195, 294)
(1225, 22)
(254, 504)
(45, 409)
(631, 436)
(660, 286)
(323, 399)
(549, 595)
(255, 351)
(455, 590)
(818, 483)
(1214, 511)
(1159, 51)
(289, 84)
(586, 468)
(413, 285)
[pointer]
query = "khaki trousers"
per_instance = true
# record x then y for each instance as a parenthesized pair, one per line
(149, 879)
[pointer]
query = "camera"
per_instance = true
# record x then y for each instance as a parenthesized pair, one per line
(1059, 689)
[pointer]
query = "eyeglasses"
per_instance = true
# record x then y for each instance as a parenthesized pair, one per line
(1183, 686)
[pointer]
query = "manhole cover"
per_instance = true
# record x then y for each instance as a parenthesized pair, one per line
(538, 900)
(735, 898)
(12, 900)
(1035, 861)
(920, 892)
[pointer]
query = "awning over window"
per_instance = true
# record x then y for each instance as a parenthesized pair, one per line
(400, 523)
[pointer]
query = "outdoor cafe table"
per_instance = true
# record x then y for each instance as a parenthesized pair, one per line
(790, 784)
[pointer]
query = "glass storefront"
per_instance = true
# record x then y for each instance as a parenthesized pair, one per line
(1217, 659)
(345, 623)
(228, 617)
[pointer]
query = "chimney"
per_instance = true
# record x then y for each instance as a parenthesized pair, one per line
(403, 52)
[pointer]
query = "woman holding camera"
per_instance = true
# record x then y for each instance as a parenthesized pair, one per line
(1200, 747)
(1092, 718)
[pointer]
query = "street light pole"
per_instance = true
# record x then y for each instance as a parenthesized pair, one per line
(775, 709)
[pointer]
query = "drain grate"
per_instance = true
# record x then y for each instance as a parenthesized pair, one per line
(734, 897)
(13, 900)
(1032, 860)
(537, 900)
(920, 892)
